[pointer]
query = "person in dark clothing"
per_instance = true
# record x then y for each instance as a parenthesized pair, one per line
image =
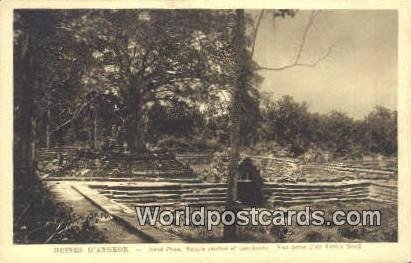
(250, 188)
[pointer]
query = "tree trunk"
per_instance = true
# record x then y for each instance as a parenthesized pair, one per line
(27, 160)
(48, 127)
(33, 145)
(95, 134)
(134, 123)
(240, 49)
(90, 137)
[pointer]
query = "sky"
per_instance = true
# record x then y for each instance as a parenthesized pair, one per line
(360, 73)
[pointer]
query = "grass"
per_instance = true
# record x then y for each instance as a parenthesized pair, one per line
(39, 220)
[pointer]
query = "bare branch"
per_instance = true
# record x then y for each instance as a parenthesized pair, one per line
(300, 64)
(296, 62)
(260, 17)
(304, 37)
(76, 114)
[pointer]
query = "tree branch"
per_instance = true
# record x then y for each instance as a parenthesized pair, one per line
(304, 37)
(75, 115)
(296, 62)
(300, 64)
(260, 17)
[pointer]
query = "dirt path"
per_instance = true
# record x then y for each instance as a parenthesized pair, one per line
(112, 231)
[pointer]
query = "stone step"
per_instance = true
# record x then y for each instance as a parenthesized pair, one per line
(324, 197)
(319, 195)
(384, 196)
(270, 185)
(383, 190)
(158, 187)
(382, 200)
(168, 191)
(204, 198)
(164, 194)
(214, 190)
(144, 197)
(386, 184)
(316, 193)
(182, 204)
(222, 194)
(305, 190)
(155, 179)
(301, 202)
(124, 179)
(335, 193)
(166, 199)
(144, 192)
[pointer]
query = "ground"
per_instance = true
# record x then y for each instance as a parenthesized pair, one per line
(104, 223)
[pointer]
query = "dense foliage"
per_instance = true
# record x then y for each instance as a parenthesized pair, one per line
(137, 77)
(289, 124)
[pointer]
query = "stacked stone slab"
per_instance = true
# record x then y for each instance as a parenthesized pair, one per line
(166, 194)
(295, 194)
(292, 170)
(83, 163)
(383, 193)
(213, 194)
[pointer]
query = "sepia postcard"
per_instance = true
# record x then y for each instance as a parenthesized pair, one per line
(207, 131)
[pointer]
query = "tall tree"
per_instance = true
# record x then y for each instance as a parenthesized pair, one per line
(243, 70)
(154, 55)
(240, 52)
(32, 30)
(57, 66)
(380, 131)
